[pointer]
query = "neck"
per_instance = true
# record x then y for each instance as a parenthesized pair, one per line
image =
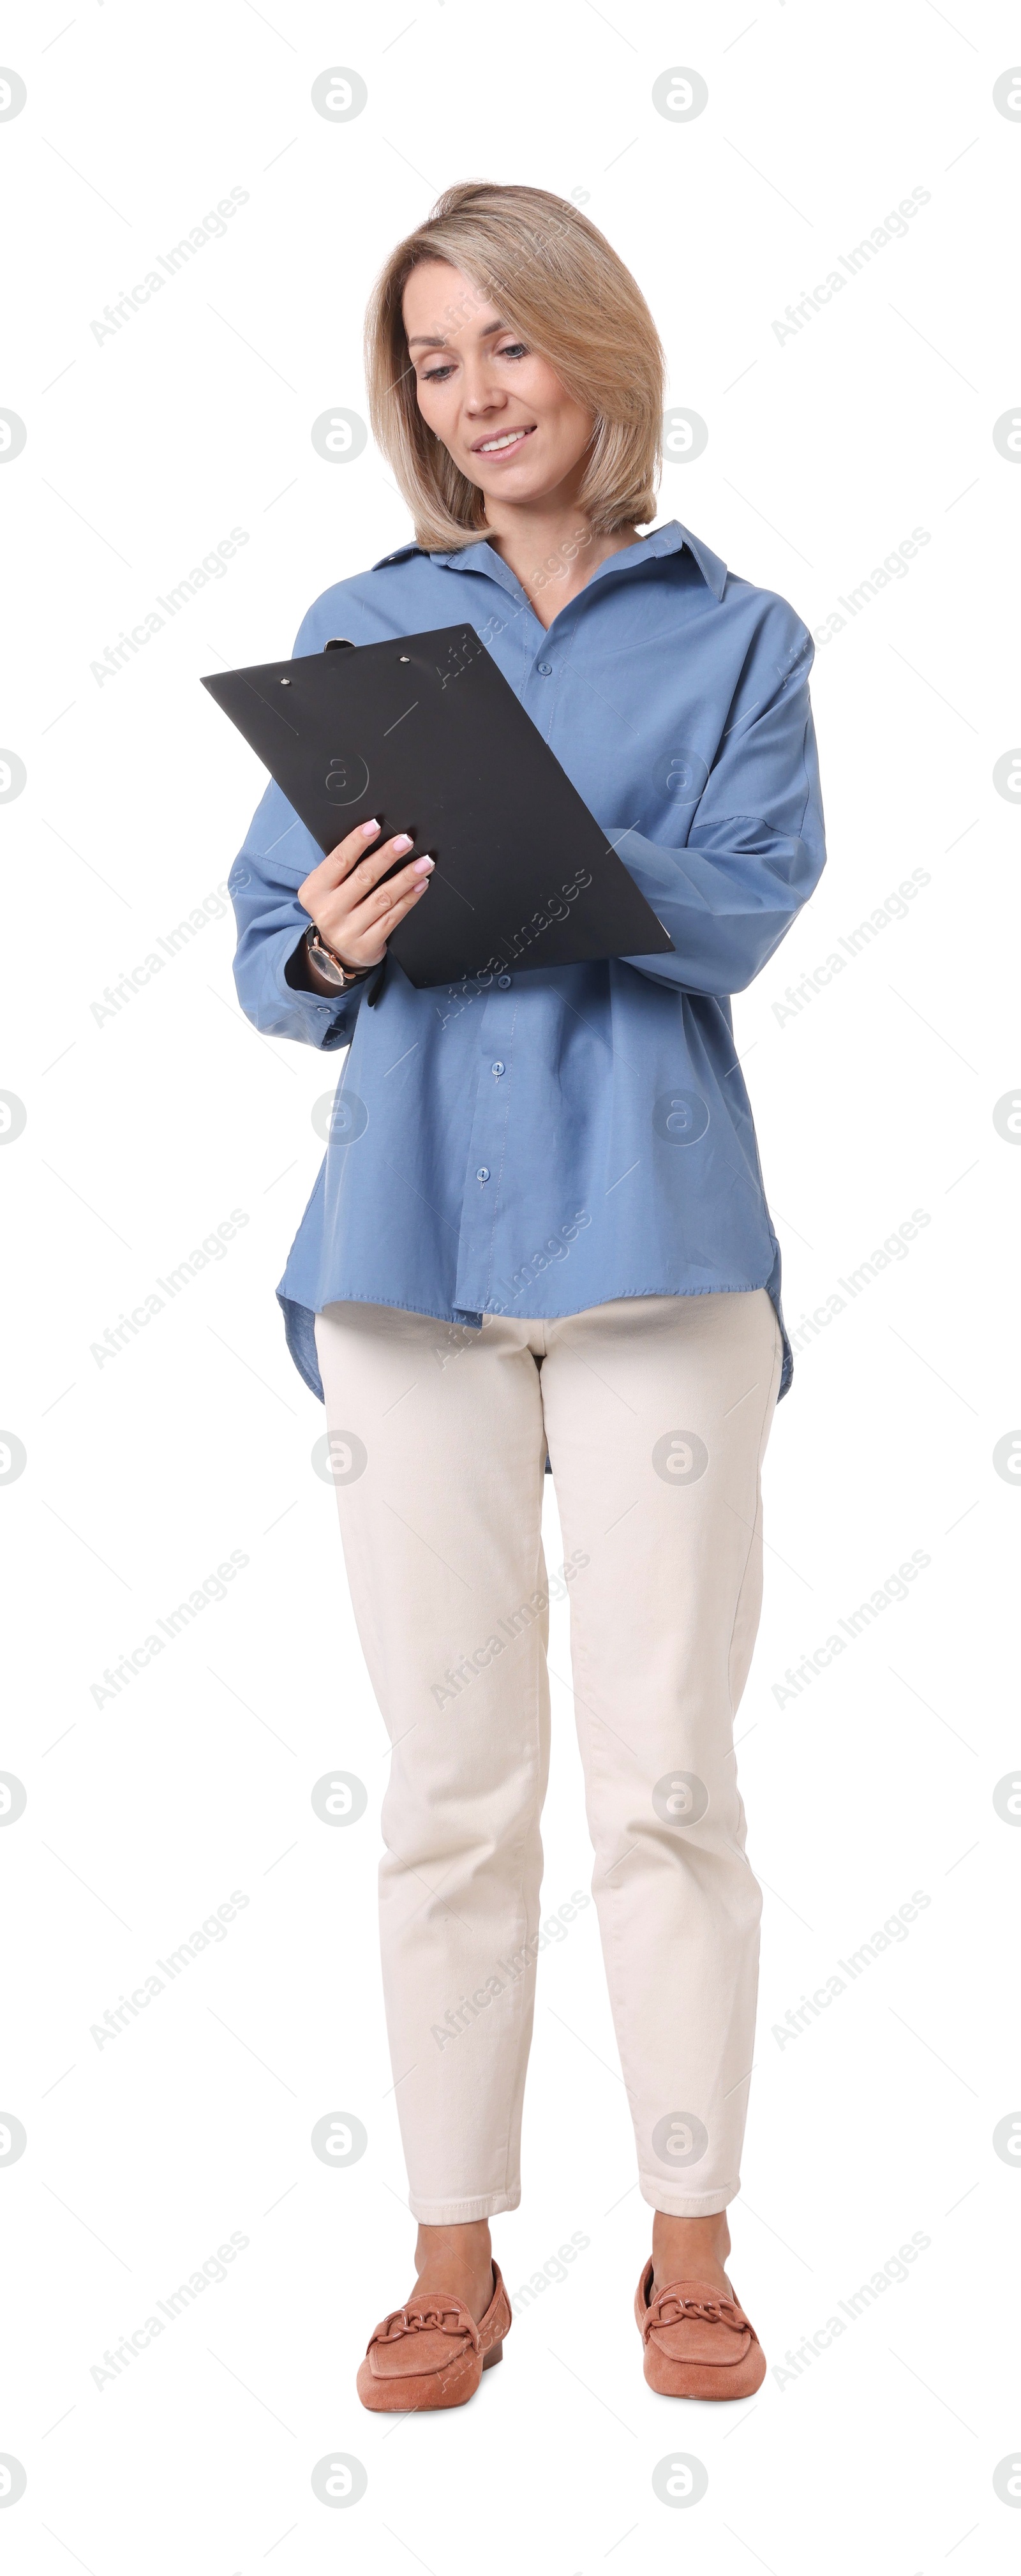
(550, 547)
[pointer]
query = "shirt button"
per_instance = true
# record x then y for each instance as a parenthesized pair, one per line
(498, 1068)
(483, 1172)
(504, 983)
(545, 668)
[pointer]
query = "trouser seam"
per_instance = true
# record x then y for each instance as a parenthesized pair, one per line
(756, 1521)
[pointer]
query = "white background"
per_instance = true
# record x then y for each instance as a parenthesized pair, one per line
(146, 1129)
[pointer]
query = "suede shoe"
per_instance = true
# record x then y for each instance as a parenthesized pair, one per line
(431, 2353)
(696, 2344)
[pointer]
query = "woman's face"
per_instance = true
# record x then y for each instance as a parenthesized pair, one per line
(498, 407)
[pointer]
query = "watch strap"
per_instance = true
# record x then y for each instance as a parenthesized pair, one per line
(329, 964)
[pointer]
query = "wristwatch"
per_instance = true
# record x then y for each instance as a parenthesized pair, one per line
(329, 964)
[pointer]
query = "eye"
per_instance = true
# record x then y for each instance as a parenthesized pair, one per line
(514, 349)
(436, 375)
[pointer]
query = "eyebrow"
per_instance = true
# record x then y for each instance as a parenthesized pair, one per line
(436, 339)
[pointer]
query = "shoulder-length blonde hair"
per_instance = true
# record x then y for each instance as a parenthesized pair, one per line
(556, 280)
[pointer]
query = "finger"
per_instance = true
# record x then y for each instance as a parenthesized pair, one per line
(365, 913)
(395, 911)
(368, 870)
(385, 917)
(339, 862)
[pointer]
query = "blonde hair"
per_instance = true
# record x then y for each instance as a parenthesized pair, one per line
(557, 281)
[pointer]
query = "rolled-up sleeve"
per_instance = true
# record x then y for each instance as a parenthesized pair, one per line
(755, 848)
(277, 855)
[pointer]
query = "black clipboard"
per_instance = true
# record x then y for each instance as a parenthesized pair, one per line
(425, 732)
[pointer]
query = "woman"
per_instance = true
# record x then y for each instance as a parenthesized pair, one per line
(540, 1227)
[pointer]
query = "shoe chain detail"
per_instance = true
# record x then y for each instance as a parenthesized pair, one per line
(419, 2316)
(668, 2309)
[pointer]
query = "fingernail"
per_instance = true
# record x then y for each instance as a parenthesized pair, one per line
(373, 826)
(424, 867)
(403, 840)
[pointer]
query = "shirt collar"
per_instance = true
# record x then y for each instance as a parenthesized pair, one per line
(668, 540)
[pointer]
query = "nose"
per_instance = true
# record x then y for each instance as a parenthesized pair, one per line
(481, 394)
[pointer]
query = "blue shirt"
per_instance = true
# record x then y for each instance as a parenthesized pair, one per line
(549, 1139)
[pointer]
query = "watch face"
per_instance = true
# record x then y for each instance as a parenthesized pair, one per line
(327, 965)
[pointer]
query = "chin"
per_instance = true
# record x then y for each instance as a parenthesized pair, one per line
(520, 483)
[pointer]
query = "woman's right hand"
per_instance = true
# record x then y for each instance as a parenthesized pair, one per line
(352, 911)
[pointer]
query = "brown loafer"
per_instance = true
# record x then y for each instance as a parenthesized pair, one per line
(432, 2353)
(697, 2344)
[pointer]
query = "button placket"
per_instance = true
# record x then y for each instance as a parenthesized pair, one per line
(480, 1212)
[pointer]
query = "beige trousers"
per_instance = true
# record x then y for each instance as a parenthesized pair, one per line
(655, 1412)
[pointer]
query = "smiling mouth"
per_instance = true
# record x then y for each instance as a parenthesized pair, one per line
(502, 442)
